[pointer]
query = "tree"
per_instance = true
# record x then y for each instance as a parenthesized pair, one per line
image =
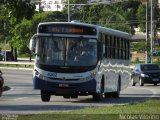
(74, 9)
(15, 11)
(140, 46)
(24, 30)
(4, 22)
(141, 15)
(19, 9)
(110, 15)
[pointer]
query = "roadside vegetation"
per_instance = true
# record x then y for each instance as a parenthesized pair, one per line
(148, 107)
(19, 20)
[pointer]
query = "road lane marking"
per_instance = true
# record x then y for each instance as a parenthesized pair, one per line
(22, 98)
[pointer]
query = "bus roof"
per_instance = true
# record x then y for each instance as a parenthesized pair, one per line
(114, 32)
(99, 28)
(71, 23)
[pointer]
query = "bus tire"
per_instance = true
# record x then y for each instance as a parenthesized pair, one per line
(117, 93)
(99, 96)
(74, 96)
(66, 96)
(155, 84)
(45, 95)
(108, 95)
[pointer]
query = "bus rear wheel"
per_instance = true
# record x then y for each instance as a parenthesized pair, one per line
(45, 95)
(66, 96)
(116, 94)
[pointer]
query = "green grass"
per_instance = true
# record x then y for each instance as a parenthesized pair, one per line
(26, 56)
(4, 46)
(150, 107)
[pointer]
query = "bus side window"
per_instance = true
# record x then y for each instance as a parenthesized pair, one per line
(113, 47)
(128, 50)
(116, 48)
(106, 46)
(123, 49)
(109, 46)
(100, 37)
(120, 48)
(126, 53)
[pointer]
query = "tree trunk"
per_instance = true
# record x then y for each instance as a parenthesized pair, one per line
(30, 56)
(15, 54)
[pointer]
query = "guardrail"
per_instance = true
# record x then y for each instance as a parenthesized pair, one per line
(7, 63)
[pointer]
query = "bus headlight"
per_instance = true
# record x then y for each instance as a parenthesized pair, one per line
(93, 74)
(37, 74)
(90, 77)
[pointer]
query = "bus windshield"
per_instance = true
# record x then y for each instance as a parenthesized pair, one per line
(66, 52)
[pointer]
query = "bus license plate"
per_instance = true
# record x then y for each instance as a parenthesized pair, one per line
(63, 85)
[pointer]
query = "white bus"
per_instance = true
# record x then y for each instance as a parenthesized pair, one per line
(74, 59)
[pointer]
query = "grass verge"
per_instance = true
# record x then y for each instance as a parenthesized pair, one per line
(149, 110)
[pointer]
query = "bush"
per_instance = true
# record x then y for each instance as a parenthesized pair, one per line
(24, 50)
(137, 59)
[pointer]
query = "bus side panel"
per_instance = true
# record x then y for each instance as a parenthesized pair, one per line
(125, 77)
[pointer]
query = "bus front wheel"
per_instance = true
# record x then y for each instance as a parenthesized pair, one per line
(45, 95)
(99, 96)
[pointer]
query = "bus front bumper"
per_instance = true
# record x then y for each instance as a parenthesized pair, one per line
(83, 88)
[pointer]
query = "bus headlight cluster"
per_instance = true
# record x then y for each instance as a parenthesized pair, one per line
(37, 74)
(91, 76)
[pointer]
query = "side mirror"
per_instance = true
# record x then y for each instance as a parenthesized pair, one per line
(32, 44)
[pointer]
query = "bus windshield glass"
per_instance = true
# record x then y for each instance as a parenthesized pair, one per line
(66, 52)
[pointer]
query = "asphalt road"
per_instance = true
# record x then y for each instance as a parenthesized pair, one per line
(22, 99)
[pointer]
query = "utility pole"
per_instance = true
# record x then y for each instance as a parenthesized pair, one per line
(147, 53)
(5, 40)
(68, 11)
(5, 36)
(151, 52)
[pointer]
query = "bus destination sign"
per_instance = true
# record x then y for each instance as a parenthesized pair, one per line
(67, 29)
